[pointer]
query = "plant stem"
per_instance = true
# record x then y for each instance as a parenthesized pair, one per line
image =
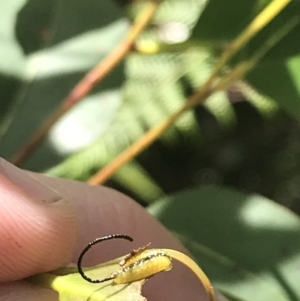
(241, 69)
(263, 18)
(186, 260)
(136, 148)
(97, 74)
(201, 94)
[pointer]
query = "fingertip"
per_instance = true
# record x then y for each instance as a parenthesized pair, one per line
(25, 291)
(39, 236)
(36, 235)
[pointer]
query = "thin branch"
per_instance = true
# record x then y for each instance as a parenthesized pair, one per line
(241, 69)
(136, 148)
(106, 172)
(262, 19)
(210, 86)
(89, 81)
(190, 263)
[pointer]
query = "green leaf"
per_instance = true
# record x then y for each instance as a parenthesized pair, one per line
(55, 69)
(280, 80)
(288, 46)
(223, 20)
(247, 245)
(72, 287)
(12, 60)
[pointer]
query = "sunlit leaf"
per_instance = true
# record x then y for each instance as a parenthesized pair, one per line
(82, 125)
(76, 54)
(248, 245)
(54, 70)
(12, 60)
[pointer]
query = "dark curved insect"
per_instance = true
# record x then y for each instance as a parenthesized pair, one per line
(139, 264)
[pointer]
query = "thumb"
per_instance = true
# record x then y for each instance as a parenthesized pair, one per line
(38, 229)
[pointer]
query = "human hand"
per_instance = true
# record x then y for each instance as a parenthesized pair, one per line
(46, 222)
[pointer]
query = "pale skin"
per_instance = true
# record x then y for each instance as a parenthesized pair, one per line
(46, 222)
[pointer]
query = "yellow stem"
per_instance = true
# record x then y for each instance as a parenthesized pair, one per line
(269, 13)
(186, 260)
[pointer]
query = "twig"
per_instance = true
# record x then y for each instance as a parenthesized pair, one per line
(136, 148)
(244, 67)
(190, 263)
(261, 20)
(89, 81)
(201, 94)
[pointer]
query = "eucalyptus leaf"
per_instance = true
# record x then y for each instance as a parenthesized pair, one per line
(247, 245)
(76, 54)
(223, 20)
(12, 60)
(288, 46)
(280, 80)
(76, 46)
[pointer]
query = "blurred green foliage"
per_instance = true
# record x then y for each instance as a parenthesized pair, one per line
(246, 137)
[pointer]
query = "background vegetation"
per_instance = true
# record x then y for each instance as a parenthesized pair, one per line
(211, 176)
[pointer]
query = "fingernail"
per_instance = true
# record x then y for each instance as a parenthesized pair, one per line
(30, 185)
